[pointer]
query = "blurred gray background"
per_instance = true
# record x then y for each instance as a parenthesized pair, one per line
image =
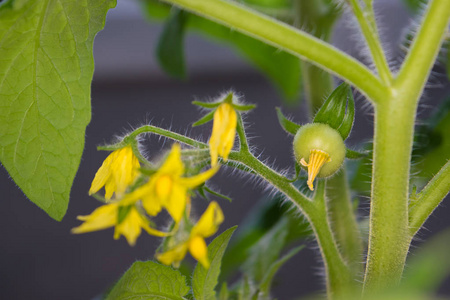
(40, 259)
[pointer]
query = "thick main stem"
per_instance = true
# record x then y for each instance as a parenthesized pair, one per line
(389, 232)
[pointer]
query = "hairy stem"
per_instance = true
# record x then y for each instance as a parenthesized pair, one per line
(394, 128)
(368, 28)
(289, 39)
(429, 198)
(339, 279)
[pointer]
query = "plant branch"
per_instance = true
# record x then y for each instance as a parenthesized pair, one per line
(418, 63)
(429, 198)
(368, 28)
(339, 279)
(289, 39)
(168, 134)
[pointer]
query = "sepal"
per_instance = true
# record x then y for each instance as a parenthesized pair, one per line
(335, 113)
(288, 126)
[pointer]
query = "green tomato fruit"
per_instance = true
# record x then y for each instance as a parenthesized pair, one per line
(318, 136)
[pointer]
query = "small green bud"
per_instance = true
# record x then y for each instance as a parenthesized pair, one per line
(320, 148)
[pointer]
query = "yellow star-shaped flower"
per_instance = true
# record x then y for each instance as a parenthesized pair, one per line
(117, 172)
(223, 132)
(167, 188)
(126, 219)
(206, 226)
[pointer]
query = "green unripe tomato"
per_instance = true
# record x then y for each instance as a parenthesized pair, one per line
(318, 136)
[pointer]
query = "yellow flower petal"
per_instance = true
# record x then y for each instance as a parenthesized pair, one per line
(173, 164)
(174, 255)
(209, 222)
(223, 133)
(103, 217)
(176, 203)
(317, 159)
(199, 250)
(117, 172)
(194, 181)
(130, 227)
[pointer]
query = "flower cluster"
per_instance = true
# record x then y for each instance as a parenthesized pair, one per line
(140, 194)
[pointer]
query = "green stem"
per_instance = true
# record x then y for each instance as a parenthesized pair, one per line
(169, 134)
(317, 84)
(369, 30)
(339, 279)
(389, 228)
(343, 221)
(389, 235)
(429, 198)
(289, 39)
(417, 66)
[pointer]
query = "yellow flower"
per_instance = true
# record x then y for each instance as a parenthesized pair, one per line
(317, 159)
(167, 189)
(117, 172)
(223, 132)
(206, 226)
(126, 219)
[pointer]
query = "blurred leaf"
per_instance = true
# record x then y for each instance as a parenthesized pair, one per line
(447, 66)
(287, 125)
(266, 283)
(150, 280)
(266, 251)
(352, 154)
(204, 281)
(334, 113)
(259, 222)
(415, 5)
(282, 68)
(170, 49)
(224, 293)
(429, 266)
(432, 142)
(361, 172)
(46, 68)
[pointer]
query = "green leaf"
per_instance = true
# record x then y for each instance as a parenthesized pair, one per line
(287, 125)
(224, 294)
(432, 142)
(429, 266)
(415, 5)
(266, 283)
(204, 281)
(170, 49)
(282, 68)
(46, 68)
(150, 280)
(352, 154)
(333, 111)
(266, 251)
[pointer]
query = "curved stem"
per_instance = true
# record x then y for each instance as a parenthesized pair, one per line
(289, 39)
(369, 30)
(339, 279)
(429, 198)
